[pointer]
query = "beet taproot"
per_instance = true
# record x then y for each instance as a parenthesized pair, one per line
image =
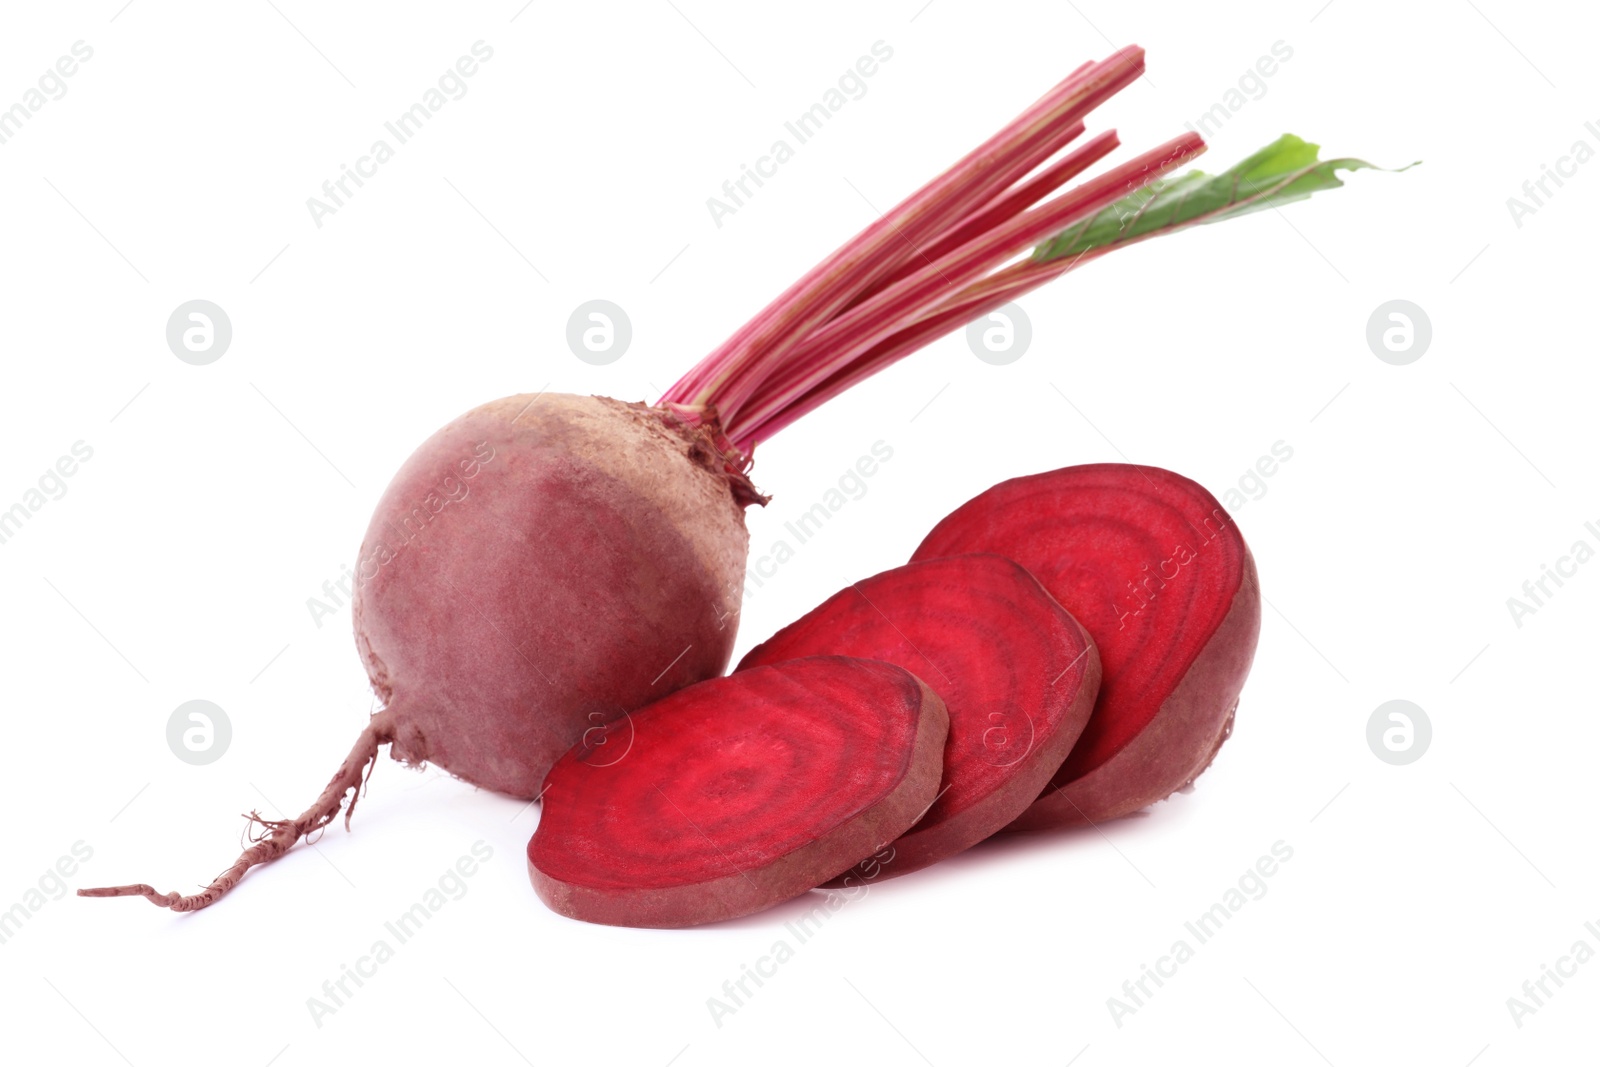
(1158, 573)
(736, 794)
(1018, 676)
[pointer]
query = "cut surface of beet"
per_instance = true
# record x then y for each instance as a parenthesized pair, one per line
(738, 793)
(1017, 673)
(1157, 572)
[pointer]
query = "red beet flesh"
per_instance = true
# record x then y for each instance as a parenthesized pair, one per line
(1016, 672)
(733, 795)
(1156, 570)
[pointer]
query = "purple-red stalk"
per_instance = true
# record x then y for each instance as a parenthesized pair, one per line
(737, 367)
(834, 345)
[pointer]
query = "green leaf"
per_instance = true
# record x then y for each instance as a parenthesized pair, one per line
(1285, 171)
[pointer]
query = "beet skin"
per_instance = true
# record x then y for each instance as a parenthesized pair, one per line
(537, 568)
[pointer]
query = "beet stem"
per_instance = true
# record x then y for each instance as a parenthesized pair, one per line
(835, 346)
(280, 834)
(973, 302)
(980, 185)
(758, 347)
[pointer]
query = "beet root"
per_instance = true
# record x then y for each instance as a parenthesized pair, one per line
(274, 837)
(1017, 673)
(538, 567)
(594, 563)
(736, 794)
(1156, 570)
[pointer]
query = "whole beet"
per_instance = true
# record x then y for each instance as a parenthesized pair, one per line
(539, 567)
(591, 561)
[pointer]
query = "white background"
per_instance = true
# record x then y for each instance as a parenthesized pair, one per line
(219, 498)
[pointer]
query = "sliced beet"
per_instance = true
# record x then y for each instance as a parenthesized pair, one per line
(738, 793)
(1017, 674)
(1158, 573)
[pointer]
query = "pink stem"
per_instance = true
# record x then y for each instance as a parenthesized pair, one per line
(835, 345)
(985, 194)
(752, 375)
(989, 192)
(742, 362)
(1011, 203)
(974, 302)
(1021, 197)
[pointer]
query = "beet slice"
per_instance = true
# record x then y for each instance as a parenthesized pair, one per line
(1158, 573)
(1017, 673)
(738, 793)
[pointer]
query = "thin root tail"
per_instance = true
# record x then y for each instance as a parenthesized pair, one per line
(273, 837)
